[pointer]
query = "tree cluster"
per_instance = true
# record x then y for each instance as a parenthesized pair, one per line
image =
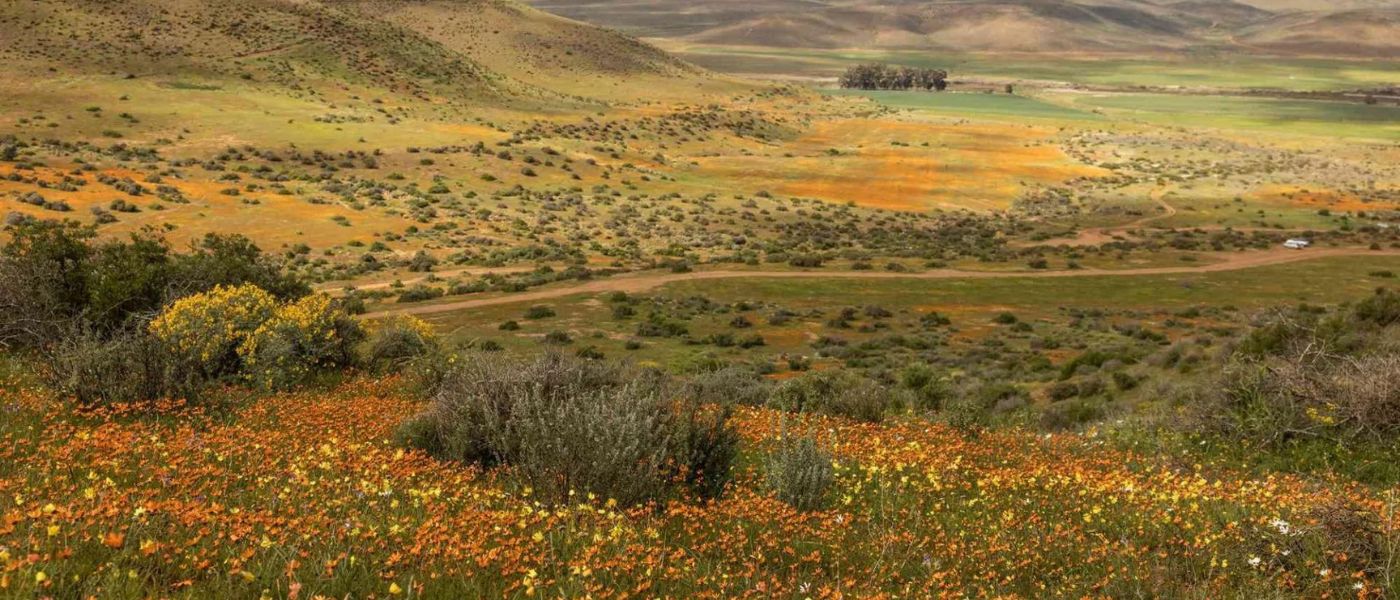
(886, 77)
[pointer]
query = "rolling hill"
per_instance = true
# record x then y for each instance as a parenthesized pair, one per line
(443, 49)
(1374, 31)
(1358, 28)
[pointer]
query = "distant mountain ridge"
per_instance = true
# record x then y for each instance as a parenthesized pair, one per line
(1347, 27)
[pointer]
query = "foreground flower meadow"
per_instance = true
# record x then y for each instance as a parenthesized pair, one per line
(304, 495)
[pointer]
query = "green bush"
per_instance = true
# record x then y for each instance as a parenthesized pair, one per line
(835, 393)
(397, 341)
(567, 425)
(539, 311)
(800, 473)
(710, 446)
(124, 368)
(55, 280)
(302, 338)
(730, 385)
(972, 407)
(1071, 414)
(928, 389)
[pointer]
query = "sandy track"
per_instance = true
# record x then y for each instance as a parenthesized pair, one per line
(1098, 236)
(647, 282)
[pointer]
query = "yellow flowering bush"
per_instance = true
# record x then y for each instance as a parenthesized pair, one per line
(209, 328)
(243, 330)
(300, 337)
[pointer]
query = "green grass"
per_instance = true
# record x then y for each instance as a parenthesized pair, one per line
(1276, 116)
(1323, 281)
(975, 104)
(972, 302)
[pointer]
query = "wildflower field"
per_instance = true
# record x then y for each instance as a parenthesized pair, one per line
(304, 495)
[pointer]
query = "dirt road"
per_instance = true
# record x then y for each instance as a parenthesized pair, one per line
(647, 282)
(1097, 236)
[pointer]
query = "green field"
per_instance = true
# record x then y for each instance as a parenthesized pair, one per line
(1323, 280)
(971, 104)
(1277, 116)
(1238, 72)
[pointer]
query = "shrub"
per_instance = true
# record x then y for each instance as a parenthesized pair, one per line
(1094, 359)
(43, 282)
(837, 393)
(396, 341)
(539, 311)
(1125, 381)
(243, 331)
(710, 448)
(971, 408)
(232, 260)
(129, 367)
(752, 340)
(566, 425)
(209, 329)
(800, 473)
(730, 385)
(1062, 390)
(1278, 401)
(1309, 387)
(52, 278)
(967, 415)
(420, 293)
(422, 262)
(1071, 414)
(302, 337)
(928, 390)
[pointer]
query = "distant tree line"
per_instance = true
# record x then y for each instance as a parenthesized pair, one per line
(886, 77)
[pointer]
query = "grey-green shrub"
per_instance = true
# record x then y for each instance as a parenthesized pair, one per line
(835, 393)
(563, 424)
(800, 473)
(730, 385)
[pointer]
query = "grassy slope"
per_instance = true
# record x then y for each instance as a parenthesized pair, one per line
(475, 51)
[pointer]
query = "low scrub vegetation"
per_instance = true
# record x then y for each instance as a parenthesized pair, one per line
(1310, 387)
(395, 343)
(837, 393)
(567, 426)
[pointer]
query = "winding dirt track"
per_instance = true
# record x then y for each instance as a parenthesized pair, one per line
(646, 282)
